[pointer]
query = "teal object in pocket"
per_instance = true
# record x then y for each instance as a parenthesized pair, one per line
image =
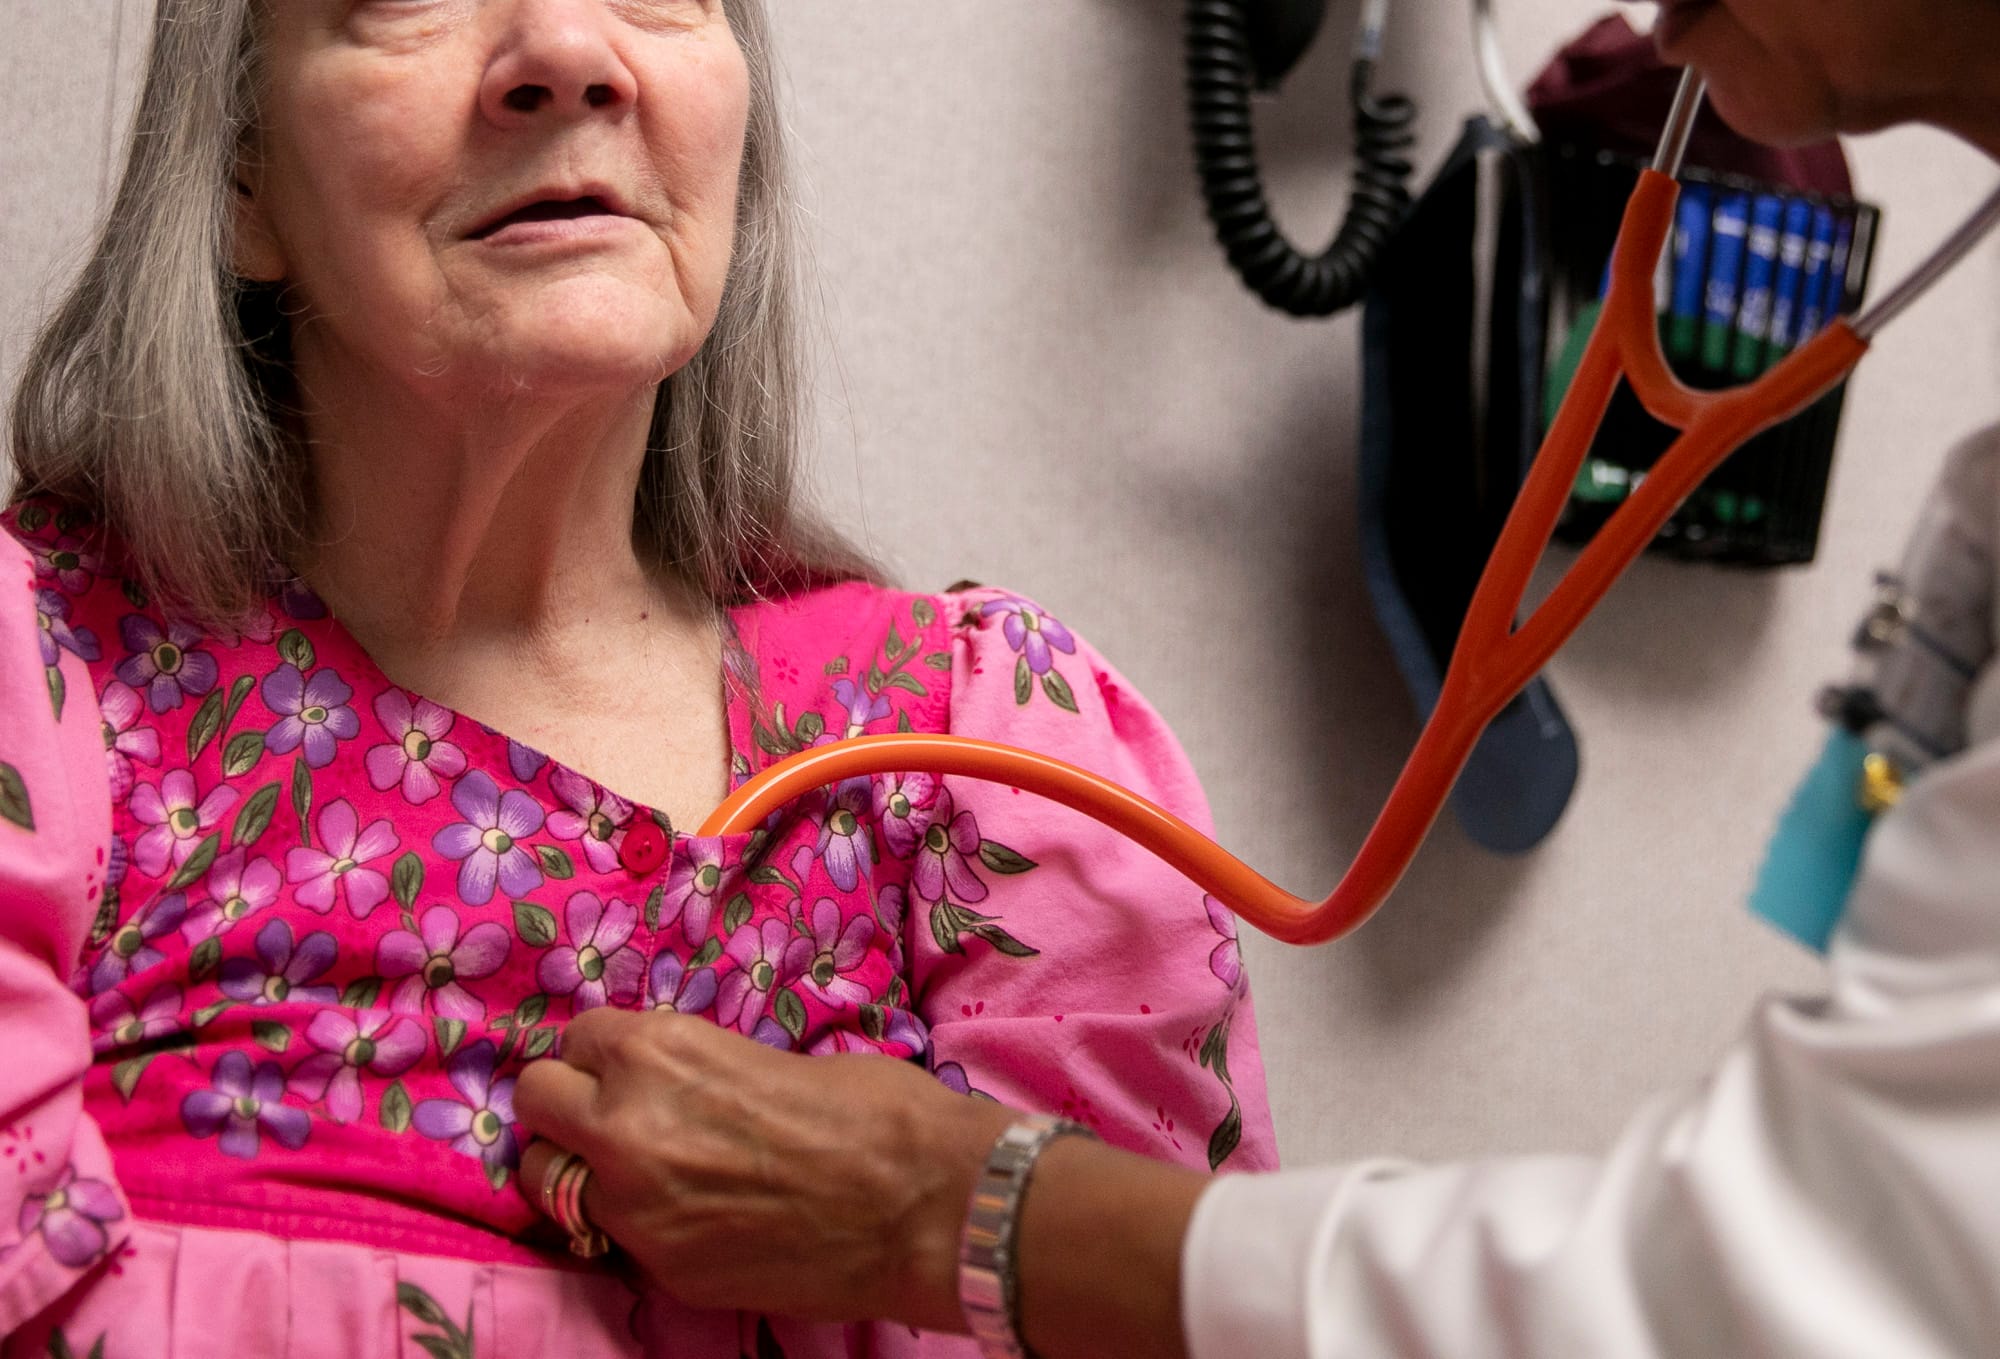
(1809, 868)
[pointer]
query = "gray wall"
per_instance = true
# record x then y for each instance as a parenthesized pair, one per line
(1037, 372)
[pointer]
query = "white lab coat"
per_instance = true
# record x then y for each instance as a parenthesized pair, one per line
(1831, 1190)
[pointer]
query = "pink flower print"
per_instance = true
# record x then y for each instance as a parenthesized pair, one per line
(825, 958)
(761, 967)
(594, 816)
(52, 613)
(484, 844)
(904, 808)
(243, 1102)
(861, 706)
(339, 865)
(844, 841)
(1030, 632)
(280, 971)
(671, 986)
(164, 662)
(71, 561)
(238, 887)
(435, 960)
(482, 1125)
(71, 1218)
(594, 967)
(125, 740)
(374, 1041)
(944, 858)
(311, 712)
(178, 818)
(130, 947)
(1226, 959)
(115, 1023)
(692, 887)
(417, 755)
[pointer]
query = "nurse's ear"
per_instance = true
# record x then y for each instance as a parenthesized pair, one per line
(255, 253)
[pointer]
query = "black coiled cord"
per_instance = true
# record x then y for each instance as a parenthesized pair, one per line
(1220, 77)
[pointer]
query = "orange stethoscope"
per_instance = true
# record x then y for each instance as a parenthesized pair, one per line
(1493, 660)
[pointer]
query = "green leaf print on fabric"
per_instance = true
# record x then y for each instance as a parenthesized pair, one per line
(59, 1347)
(406, 879)
(1001, 859)
(446, 1341)
(1214, 1056)
(555, 863)
(255, 818)
(396, 1106)
(207, 723)
(197, 863)
(302, 797)
(58, 690)
(240, 756)
(535, 924)
(15, 804)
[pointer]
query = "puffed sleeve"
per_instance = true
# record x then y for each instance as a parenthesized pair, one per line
(60, 1208)
(1060, 967)
(1832, 1189)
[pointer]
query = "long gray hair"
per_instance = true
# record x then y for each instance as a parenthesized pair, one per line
(157, 394)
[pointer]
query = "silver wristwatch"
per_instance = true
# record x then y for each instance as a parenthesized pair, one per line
(988, 1274)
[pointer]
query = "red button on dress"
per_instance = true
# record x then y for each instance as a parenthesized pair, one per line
(645, 845)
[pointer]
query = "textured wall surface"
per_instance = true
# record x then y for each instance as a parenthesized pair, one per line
(1037, 372)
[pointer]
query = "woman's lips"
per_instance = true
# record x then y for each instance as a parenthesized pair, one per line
(551, 219)
(1677, 19)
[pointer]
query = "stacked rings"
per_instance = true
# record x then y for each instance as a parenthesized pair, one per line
(562, 1197)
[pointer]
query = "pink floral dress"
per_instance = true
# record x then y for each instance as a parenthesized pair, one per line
(277, 936)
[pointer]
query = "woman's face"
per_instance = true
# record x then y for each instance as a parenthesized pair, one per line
(504, 195)
(1787, 71)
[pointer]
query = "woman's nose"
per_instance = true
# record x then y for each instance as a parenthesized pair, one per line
(556, 58)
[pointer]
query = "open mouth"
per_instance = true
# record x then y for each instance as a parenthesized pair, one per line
(549, 210)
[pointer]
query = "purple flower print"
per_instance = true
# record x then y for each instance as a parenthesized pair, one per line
(943, 862)
(435, 960)
(823, 960)
(178, 818)
(594, 967)
(52, 613)
(115, 1023)
(1226, 960)
(523, 762)
(416, 756)
(311, 712)
(285, 969)
(238, 887)
(339, 865)
(892, 908)
(1030, 632)
(374, 1041)
(297, 599)
(484, 844)
(124, 739)
(844, 842)
(904, 806)
(861, 706)
(772, 1034)
(130, 947)
(952, 1077)
(482, 1125)
(71, 561)
(242, 1102)
(593, 816)
(693, 886)
(672, 986)
(71, 1218)
(759, 951)
(164, 662)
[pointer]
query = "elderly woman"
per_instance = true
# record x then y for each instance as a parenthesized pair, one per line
(1832, 1191)
(407, 544)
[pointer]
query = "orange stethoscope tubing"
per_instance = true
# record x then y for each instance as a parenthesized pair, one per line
(1494, 659)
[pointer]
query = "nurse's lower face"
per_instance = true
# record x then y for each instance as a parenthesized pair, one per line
(1786, 71)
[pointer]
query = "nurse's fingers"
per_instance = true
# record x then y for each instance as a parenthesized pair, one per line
(555, 1100)
(535, 1164)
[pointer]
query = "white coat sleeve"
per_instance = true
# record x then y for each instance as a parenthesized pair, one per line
(1831, 1190)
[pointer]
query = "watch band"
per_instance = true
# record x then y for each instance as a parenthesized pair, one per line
(988, 1275)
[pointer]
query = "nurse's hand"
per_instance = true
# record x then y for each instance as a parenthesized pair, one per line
(735, 1176)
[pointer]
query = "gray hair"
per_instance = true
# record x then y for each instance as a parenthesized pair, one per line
(158, 393)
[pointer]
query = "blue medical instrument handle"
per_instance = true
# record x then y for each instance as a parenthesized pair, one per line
(1494, 660)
